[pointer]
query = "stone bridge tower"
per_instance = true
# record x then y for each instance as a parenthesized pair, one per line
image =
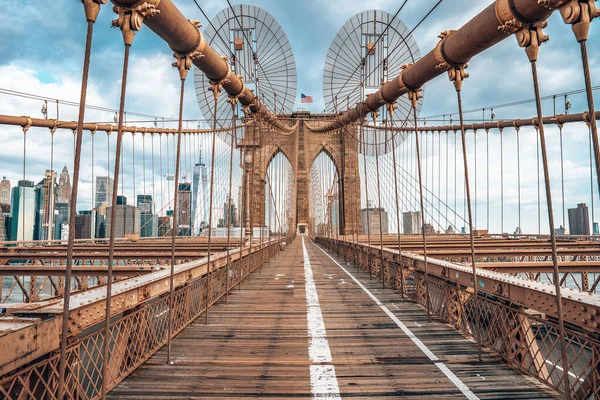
(301, 147)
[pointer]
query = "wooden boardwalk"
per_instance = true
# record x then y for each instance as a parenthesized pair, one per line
(276, 339)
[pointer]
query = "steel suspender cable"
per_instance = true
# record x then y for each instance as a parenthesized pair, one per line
(440, 178)
(426, 162)
(532, 41)
(487, 179)
(591, 175)
(517, 129)
(381, 266)
(562, 176)
(52, 182)
(167, 178)
(176, 222)
(153, 187)
(357, 202)
(113, 216)
(581, 24)
(362, 137)
(537, 153)
(390, 108)
(446, 173)
(414, 96)
(473, 226)
(250, 199)
(160, 157)
(228, 213)
(455, 176)
(432, 182)
(93, 234)
(457, 75)
(91, 10)
(501, 180)
(215, 89)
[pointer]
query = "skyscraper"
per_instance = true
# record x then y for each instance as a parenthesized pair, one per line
(61, 219)
(44, 207)
(195, 193)
(100, 215)
(145, 203)
(5, 222)
(411, 222)
(200, 194)
(23, 211)
(230, 215)
(127, 221)
(149, 221)
(373, 227)
(184, 209)
(4, 191)
(148, 225)
(104, 191)
(39, 231)
(579, 220)
(63, 195)
(84, 225)
(164, 226)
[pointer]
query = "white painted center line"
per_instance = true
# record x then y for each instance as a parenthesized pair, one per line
(323, 382)
(442, 367)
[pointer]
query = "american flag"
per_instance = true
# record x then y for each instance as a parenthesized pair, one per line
(305, 99)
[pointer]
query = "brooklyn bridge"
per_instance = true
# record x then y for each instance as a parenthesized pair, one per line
(250, 238)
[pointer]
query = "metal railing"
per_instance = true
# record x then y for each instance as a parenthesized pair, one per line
(525, 338)
(135, 335)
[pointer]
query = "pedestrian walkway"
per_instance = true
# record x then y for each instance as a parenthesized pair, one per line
(309, 326)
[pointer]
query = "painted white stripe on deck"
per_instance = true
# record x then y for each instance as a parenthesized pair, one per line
(442, 367)
(323, 382)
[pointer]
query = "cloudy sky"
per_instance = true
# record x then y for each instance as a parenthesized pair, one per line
(41, 53)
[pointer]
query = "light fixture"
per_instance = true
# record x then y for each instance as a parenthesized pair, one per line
(45, 109)
(115, 118)
(493, 114)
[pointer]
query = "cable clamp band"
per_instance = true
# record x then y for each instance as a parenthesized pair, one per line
(53, 129)
(27, 124)
(184, 60)
(535, 123)
(438, 53)
(509, 19)
(517, 127)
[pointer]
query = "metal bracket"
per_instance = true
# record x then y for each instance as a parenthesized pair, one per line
(457, 75)
(531, 37)
(132, 17)
(579, 14)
